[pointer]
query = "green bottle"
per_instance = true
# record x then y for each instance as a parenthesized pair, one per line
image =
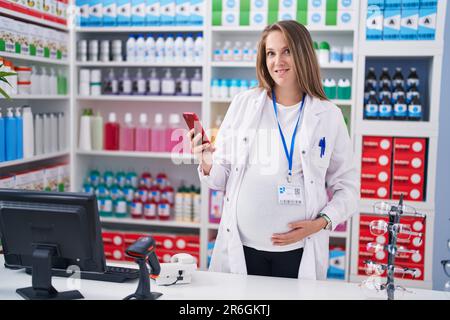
(106, 206)
(108, 179)
(120, 208)
(121, 179)
(132, 179)
(94, 178)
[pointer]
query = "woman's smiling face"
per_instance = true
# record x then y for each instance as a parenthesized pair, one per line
(279, 60)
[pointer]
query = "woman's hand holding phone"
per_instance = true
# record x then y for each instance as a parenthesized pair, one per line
(203, 152)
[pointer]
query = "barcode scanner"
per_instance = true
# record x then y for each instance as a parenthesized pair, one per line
(143, 251)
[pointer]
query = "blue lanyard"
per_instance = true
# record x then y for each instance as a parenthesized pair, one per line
(289, 155)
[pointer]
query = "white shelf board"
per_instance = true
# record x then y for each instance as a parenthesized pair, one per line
(35, 20)
(140, 29)
(338, 102)
(397, 128)
(157, 223)
(7, 164)
(417, 48)
(137, 154)
(252, 64)
(22, 57)
(237, 29)
(38, 97)
(125, 64)
(146, 98)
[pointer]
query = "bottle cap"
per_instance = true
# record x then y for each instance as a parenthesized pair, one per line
(158, 118)
(128, 118)
(324, 45)
(112, 117)
(143, 118)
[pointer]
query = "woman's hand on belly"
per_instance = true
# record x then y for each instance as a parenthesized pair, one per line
(299, 230)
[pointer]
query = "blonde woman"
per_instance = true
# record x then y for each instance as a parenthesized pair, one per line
(278, 148)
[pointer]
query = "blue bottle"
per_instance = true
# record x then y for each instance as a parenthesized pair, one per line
(10, 136)
(385, 109)
(2, 138)
(19, 127)
(415, 109)
(371, 108)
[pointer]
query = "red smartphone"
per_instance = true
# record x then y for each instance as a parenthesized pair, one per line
(193, 122)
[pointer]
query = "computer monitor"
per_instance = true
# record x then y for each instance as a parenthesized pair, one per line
(45, 230)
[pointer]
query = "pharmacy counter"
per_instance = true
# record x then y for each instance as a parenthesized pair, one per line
(215, 286)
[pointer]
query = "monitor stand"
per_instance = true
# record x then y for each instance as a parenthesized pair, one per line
(42, 288)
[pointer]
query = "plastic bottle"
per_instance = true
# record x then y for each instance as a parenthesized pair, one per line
(150, 45)
(168, 84)
(227, 54)
(413, 78)
(111, 83)
(237, 51)
(11, 136)
(398, 78)
(38, 135)
(53, 84)
(174, 136)
(132, 179)
(329, 86)
(247, 52)
(197, 84)
(154, 193)
(150, 209)
(143, 194)
(140, 84)
(121, 179)
(179, 203)
(158, 143)
(44, 81)
(62, 129)
(198, 49)
(385, 78)
(189, 48)
(137, 208)
(93, 50)
(160, 46)
(62, 82)
(168, 193)
(385, 91)
(398, 91)
(412, 92)
(104, 50)
(146, 179)
(47, 133)
(224, 89)
(2, 138)
(415, 109)
(235, 87)
(154, 83)
(95, 179)
(385, 108)
(324, 53)
(140, 48)
(179, 48)
(97, 131)
(164, 210)
(400, 108)
(131, 48)
(108, 179)
(161, 180)
(127, 134)
(215, 88)
(368, 90)
(35, 78)
(85, 140)
(372, 78)
(217, 52)
(371, 108)
(112, 130)
(126, 85)
(105, 206)
(143, 134)
(182, 84)
(169, 49)
(120, 208)
(19, 126)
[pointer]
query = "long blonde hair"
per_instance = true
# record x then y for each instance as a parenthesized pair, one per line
(305, 61)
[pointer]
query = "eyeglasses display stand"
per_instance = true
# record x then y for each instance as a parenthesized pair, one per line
(393, 227)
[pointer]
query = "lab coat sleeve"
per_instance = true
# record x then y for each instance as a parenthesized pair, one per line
(221, 167)
(342, 177)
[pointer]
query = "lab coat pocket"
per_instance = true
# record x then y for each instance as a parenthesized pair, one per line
(321, 154)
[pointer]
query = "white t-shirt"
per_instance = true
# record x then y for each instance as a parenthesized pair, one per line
(259, 215)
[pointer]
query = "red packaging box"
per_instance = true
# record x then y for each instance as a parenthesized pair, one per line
(380, 144)
(410, 193)
(376, 160)
(114, 253)
(409, 161)
(419, 271)
(415, 146)
(113, 239)
(130, 238)
(375, 190)
(189, 243)
(375, 174)
(408, 177)
(164, 241)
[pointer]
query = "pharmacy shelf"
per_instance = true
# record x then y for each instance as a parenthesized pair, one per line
(137, 98)
(22, 57)
(125, 64)
(156, 223)
(31, 19)
(53, 155)
(397, 128)
(38, 97)
(252, 64)
(237, 29)
(155, 29)
(338, 102)
(343, 65)
(135, 154)
(419, 48)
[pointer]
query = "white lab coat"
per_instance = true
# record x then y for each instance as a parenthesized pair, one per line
(337, 168)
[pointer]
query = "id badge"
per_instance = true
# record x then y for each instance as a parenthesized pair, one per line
(290, 194)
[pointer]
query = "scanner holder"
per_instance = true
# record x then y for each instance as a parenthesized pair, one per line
(42, 288)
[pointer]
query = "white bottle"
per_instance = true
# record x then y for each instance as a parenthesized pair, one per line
(126, 83)
(44, 81)
(198, 49)
(35, 78)
(131, 49)
(227, 53)
(189, 48)
(237, 51)
(53, 82)
(217, 52)
(140, 48)
(169, 48)
(168, 83)
(47, 132)
(179, 49)
(53, 133)
(141, 83)
(62, 132)
(183, 84)
(197, 84)
(160, 46)
(13, 79)
(247, 52)
(85, 141)
(150, 53)
(38, 135)
(28, 133)
(254, 51)
(154, 83)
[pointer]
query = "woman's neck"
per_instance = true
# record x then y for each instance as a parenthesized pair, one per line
(288, 96)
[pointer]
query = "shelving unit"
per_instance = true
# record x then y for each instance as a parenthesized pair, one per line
(35, 20)
(404, 51)
(41, 60)
(10, 164)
